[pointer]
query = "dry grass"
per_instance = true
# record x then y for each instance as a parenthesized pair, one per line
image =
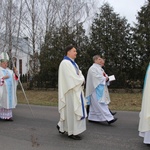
(119, 100)
(47, 98)
(126, 101)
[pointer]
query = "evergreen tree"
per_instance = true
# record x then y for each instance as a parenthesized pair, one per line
(52, 51)
(141, 37)
(82, 45)
(111, 38)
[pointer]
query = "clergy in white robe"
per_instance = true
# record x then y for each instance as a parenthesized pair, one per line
(8, 85)
(71, 101)
(144, 122)
(97, 92)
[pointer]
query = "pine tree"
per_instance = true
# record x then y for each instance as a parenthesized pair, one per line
(110, 38)
(141, 35)
(82, 45)
(53, 51)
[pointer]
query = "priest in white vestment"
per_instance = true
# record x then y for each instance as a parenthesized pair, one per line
(144, 123)
(8, 85)
(97, 93)
(71, 102)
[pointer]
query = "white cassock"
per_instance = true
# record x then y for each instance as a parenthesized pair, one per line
(144, 123)
(70, 104)
(8, 98)
(97, 94)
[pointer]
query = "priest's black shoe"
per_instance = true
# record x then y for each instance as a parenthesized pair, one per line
(10, 119)
(58, 129)
(75, 137)
(113, 113)
(112, 121)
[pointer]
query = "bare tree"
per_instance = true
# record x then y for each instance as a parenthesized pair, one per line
(9, 9)
(8, 20)
(34, 18)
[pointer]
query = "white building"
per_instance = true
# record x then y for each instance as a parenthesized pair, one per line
(21, 52)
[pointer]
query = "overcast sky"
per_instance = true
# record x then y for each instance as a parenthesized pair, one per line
(126, 8)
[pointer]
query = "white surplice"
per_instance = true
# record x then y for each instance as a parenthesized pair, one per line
(144, 123)
(99, 110)
(72, 110)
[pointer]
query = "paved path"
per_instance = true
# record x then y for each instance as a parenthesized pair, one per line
(39, 133)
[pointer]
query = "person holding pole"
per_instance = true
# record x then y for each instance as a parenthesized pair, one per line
(8, 86)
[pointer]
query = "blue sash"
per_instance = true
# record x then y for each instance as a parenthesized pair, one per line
(99, 93)
(73, 62)
(82, 107)
(9, 86)
(148, 68)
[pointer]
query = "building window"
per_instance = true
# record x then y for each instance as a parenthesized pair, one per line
(20, 66)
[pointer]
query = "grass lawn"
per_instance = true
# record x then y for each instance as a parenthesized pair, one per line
(119, 100)
(37, 97)
(126, 101)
